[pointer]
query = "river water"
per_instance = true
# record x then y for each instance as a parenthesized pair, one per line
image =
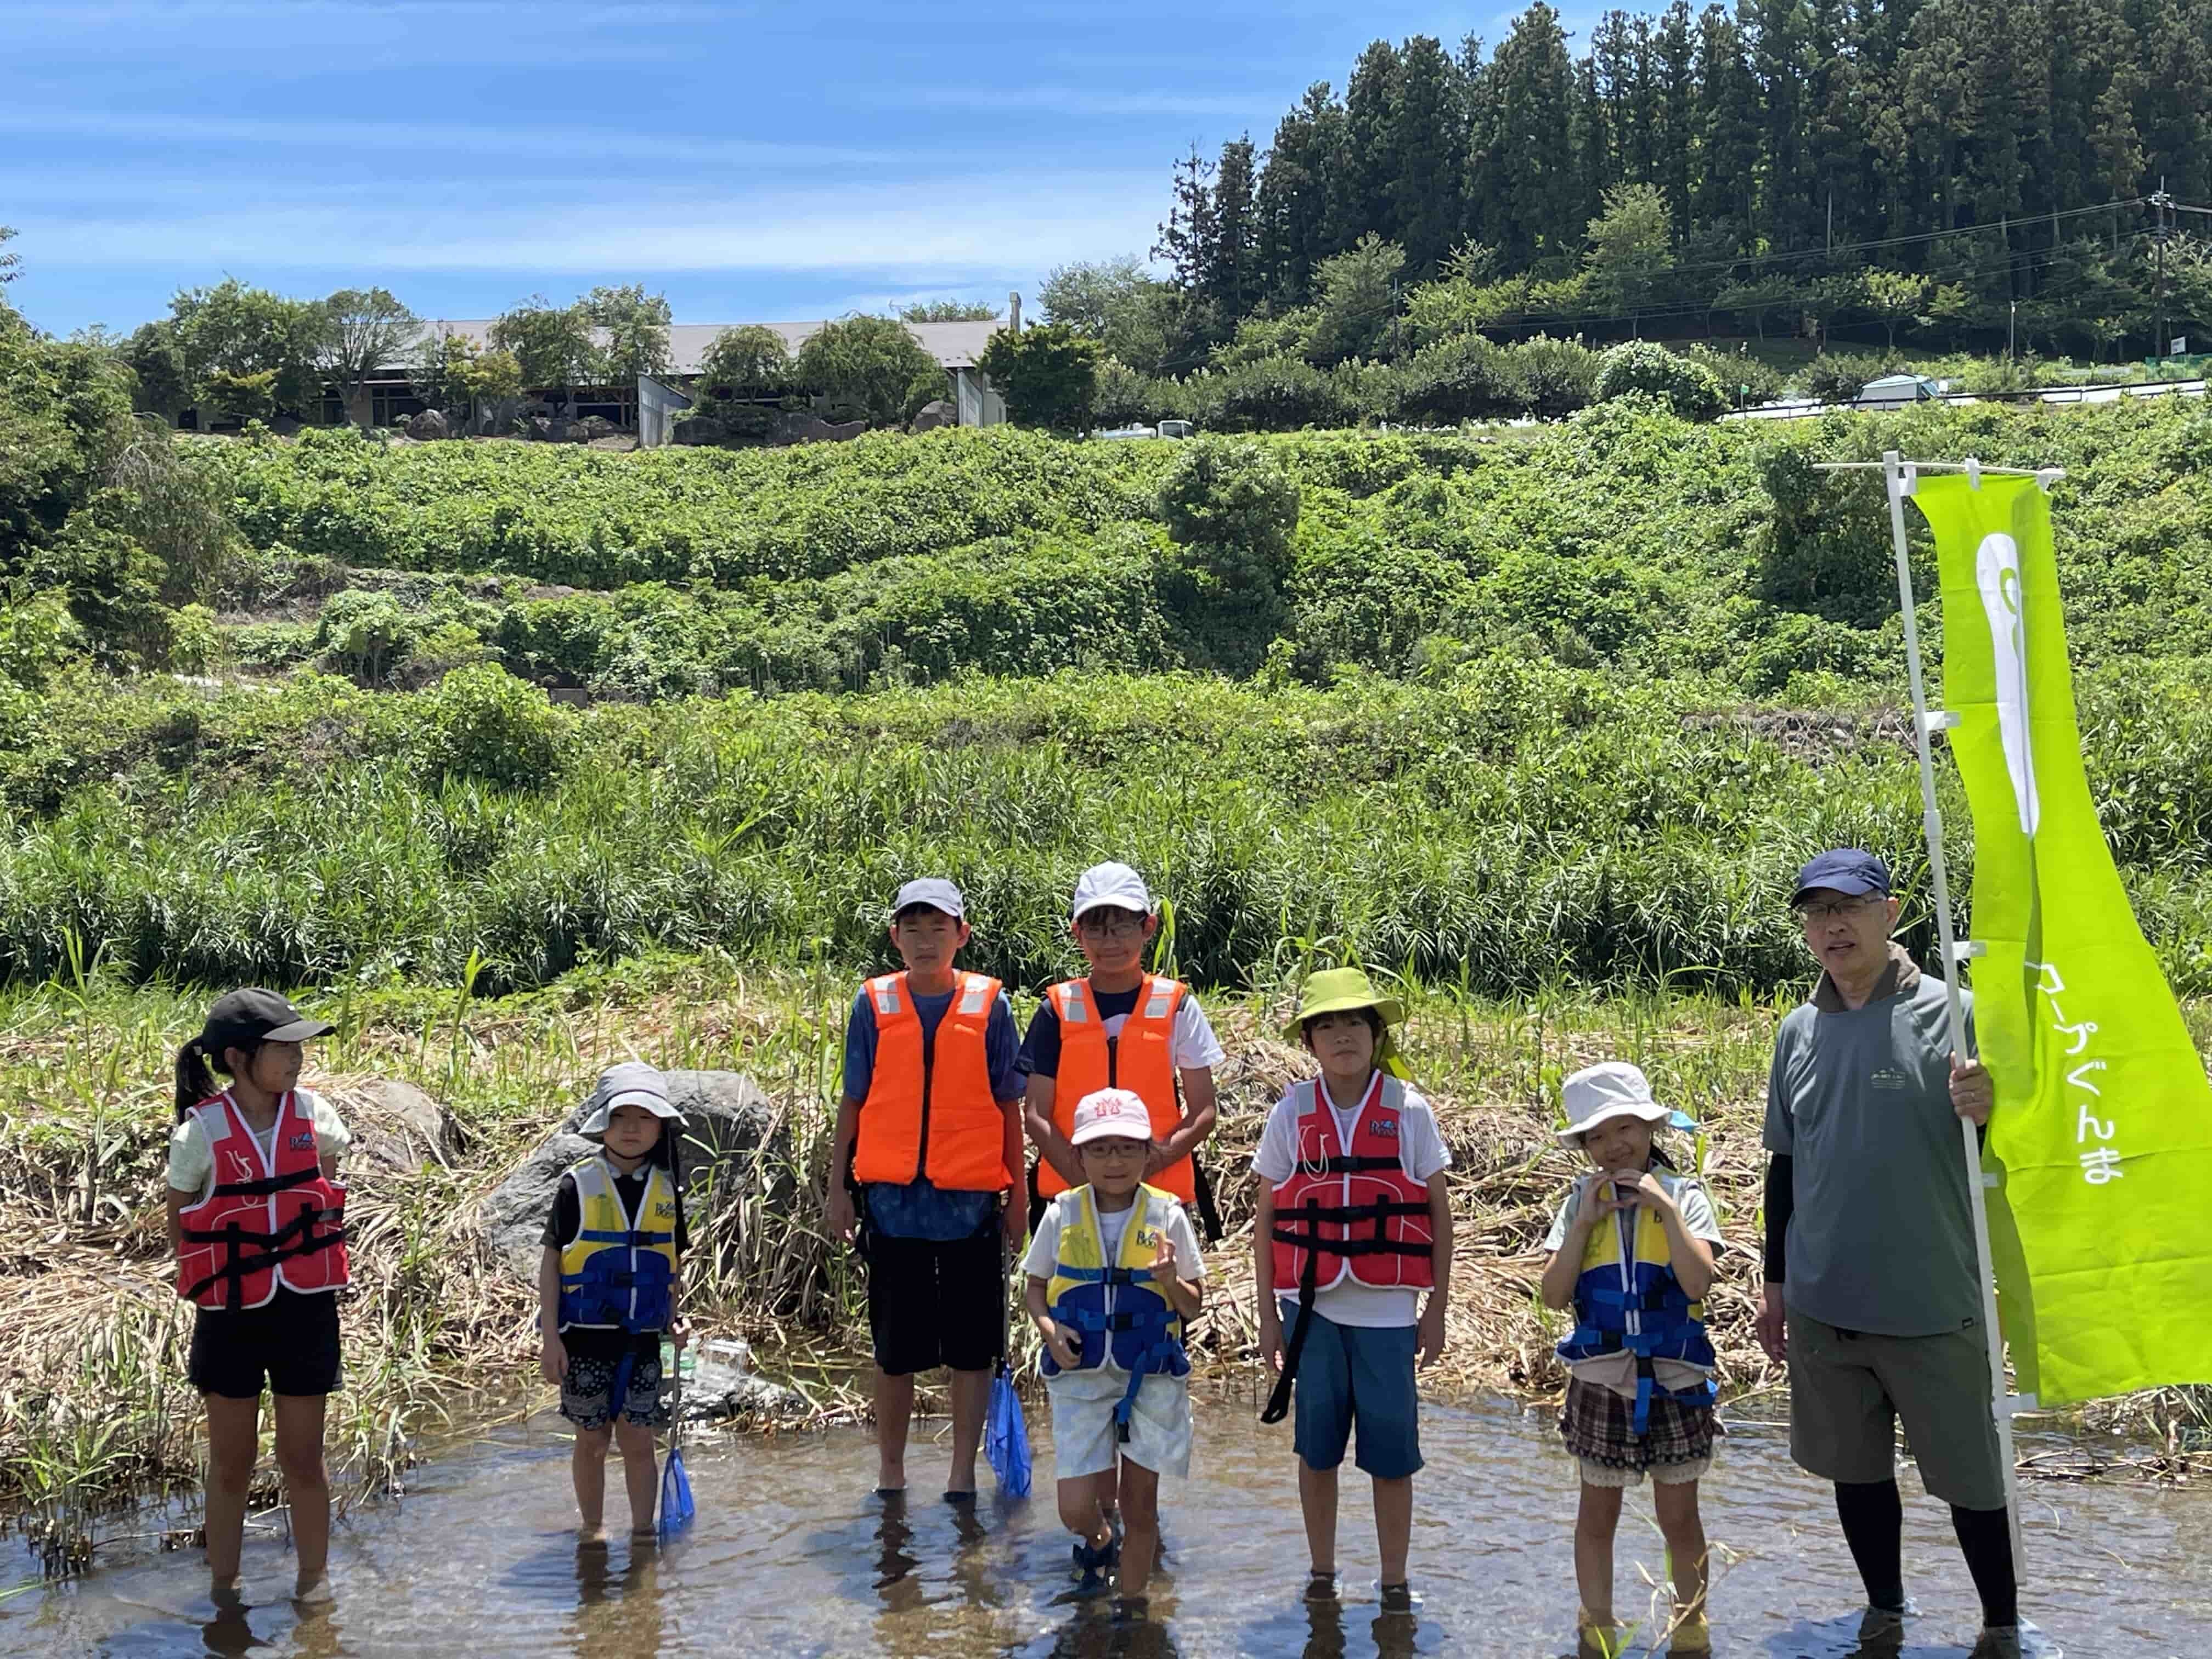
(792, 1555)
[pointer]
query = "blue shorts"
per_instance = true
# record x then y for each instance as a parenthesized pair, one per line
(1360, 1373)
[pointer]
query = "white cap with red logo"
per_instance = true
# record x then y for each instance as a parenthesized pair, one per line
(1110, 1112)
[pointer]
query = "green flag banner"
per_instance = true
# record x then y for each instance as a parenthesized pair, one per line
(2103, 1124)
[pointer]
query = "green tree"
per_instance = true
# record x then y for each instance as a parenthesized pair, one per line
(951, 310)
(248, 352)
(156, 362)
(1117, 302)
(554, 344)
(864, 366)
(1893, 297)
(1758, 297)
(369, 330)
(1049, 375)
(1525, 160)
(1356, 297)
(1232, 264)
(1629, 248)
(1730, 123)
(750, 361)
(1294, 191)
(11, 263)
(633, 332)
(1427, 184)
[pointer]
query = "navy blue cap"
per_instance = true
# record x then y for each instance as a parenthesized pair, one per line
(1846, 870)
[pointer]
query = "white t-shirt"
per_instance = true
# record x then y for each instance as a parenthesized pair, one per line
(1194, 1048)
(1421, 1153)
(1044, 1247)
(192, 1161)
(1617, 1371)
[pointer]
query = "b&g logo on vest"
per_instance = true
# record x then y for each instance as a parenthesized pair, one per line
(1386, 1126)
(302, 1141)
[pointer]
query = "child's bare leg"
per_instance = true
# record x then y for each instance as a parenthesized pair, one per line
(1079, 1510)
(307, 1482)
(1676, 1503)
(1140, 1519)
(1394, 1525)
(971, 1402)
(1595, 1524)
(640, 1477)
(1317, 1502)
(587, 1467)
(894, 1412)
(233, 1443)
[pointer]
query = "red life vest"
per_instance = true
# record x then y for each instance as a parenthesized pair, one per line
(272, 1219)
(1354, 1211)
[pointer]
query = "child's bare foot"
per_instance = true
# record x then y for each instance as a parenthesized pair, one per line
(592, 1536)
(891, 1476)
(226, 1593)
(315, 1591)
(644, 1534)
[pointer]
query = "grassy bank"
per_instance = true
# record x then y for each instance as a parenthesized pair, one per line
(94, 1409)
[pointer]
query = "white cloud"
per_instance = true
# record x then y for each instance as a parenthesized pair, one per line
(925, 233)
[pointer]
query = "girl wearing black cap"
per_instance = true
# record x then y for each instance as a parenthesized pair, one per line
(256, 1215)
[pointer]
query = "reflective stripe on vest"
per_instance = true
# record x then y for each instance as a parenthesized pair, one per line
(1634, 1304)
(619, 1270)
(1352, 1210)
(930, 1109)
(1140, 1059)
(271, 1220)
(1117, 1315)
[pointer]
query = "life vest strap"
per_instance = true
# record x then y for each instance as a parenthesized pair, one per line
(1348, 1163)
(1348, 1247)
(266, 1185)
(1103, 1275)
(277, 1251)
(637, 1240)
(1343, 1214)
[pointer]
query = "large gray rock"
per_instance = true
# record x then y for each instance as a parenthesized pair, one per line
(726, 1117)
(428, 425)
(935, 414)
(699, 429)
(398, 1126)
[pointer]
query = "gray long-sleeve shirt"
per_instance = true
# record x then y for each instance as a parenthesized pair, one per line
(1881, 1238)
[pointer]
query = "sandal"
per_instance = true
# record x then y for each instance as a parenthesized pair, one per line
(1398, 1598)
(1320, 1586)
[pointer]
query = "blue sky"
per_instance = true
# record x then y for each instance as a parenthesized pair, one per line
(763, 162)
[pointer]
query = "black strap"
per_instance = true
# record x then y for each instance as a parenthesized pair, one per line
(265, 1186)
(1347, 1163)
(1279, 1398)
(1346, 1214)
(1209, 1213)
(277, 1249)
(1349, 1247)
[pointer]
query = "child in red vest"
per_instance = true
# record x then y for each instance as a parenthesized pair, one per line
(256, 1217)
(1353, 1223)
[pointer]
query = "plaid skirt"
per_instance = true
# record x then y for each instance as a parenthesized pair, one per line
(1597, 1424)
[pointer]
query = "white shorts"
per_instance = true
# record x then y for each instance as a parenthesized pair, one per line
(1084, 1437)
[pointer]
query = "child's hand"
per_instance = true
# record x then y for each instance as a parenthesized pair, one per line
(1065, 1352)
(553, 1361)
(843, 1220)
(1430, 1335)
(1638, 1189)
(1271, 1333)
(1165, 1261)
(679, 1333)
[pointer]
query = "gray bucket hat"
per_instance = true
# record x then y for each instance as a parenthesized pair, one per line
(633, 1083)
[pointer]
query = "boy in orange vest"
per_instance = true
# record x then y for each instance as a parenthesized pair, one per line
(1353, 1223)
(929, 1140)
(1119, 1028)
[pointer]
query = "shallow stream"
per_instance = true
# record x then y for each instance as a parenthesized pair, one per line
(791, 1554)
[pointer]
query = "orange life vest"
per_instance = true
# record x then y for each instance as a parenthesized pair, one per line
(1352, 1210)
(932, 1113)
(1140, 1059)
(272, 1219)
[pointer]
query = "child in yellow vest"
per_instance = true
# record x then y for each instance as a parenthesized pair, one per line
(609, 1283)
(1632, 1250)
(1114, 1272)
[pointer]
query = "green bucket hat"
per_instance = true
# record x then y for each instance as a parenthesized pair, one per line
(1339, 990)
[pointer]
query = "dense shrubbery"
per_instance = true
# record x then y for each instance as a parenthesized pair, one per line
(1509, 822)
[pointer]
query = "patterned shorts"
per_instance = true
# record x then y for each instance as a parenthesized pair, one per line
(1598, 1425)
(587, 1393)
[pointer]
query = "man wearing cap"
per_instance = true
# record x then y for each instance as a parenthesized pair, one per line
(929, 1138)
(1873, 1292)
(1120, 1027)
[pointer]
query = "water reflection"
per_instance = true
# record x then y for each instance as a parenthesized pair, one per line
(792, 1555)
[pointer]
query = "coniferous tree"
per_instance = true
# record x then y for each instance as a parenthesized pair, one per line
(1727, 182)
(1293, 195)
(1428, 144)
(1232, 263)
(1526, 165)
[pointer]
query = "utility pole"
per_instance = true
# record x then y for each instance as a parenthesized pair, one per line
(2012, 332)
(2160, 203)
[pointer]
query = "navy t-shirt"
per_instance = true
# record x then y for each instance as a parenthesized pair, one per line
(918, 1209)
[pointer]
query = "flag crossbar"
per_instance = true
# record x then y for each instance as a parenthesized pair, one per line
(1897, 475)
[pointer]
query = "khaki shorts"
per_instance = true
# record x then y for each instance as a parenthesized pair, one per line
(1848, 1392)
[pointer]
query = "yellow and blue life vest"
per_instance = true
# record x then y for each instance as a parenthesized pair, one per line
(1115, 1310)
(1637, 1305)
(619, 1270)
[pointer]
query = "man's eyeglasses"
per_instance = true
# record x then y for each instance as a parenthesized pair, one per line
(1837, 909)
(1100, 926)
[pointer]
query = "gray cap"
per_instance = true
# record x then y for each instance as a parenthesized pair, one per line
(633, 1083)
(1111, 884)
(936, 892)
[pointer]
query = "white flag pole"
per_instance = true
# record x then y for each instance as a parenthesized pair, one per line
(1898, 478)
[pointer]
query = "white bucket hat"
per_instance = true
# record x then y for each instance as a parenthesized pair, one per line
(1608, 1090)
(633, 1083)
